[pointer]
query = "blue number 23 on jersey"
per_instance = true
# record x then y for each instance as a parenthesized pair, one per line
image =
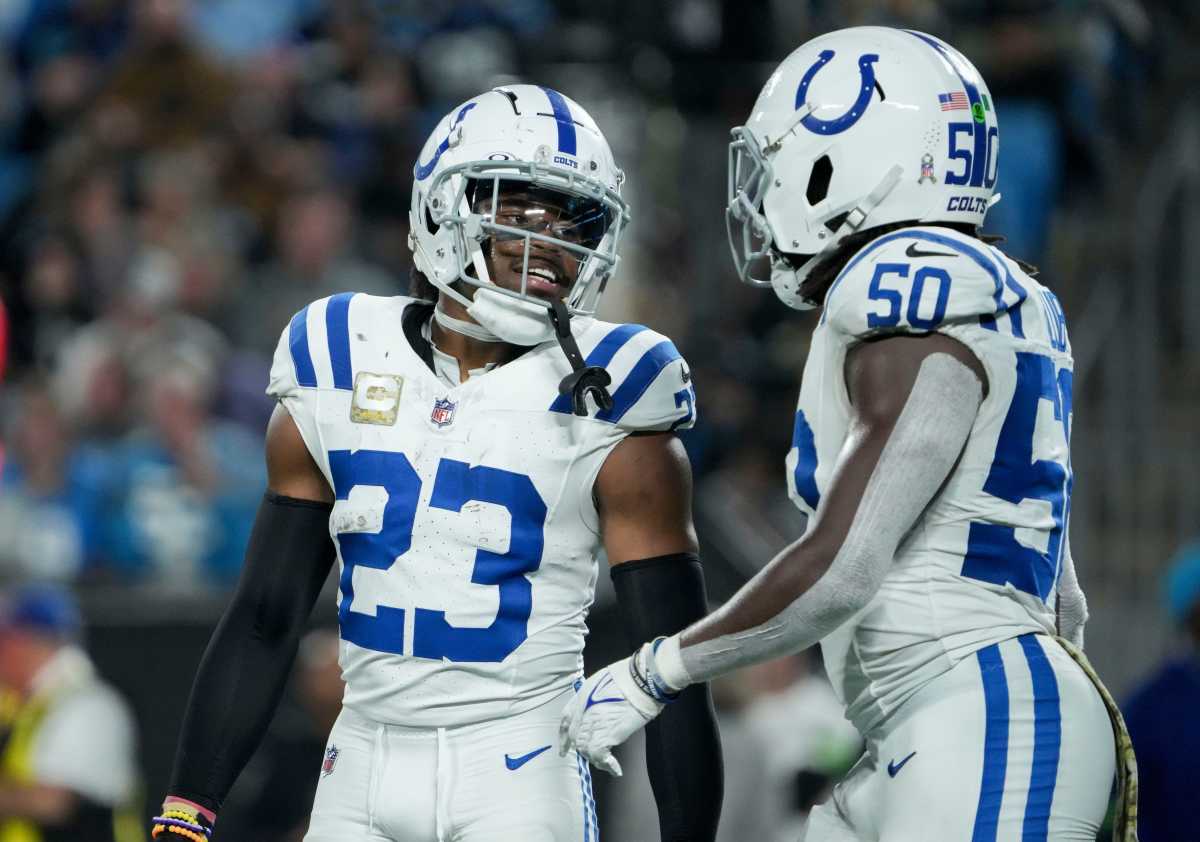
(455, 485)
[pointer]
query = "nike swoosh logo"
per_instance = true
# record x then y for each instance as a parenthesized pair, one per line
(515, 763)
(913, 251)
(894, 767)
(592, 700)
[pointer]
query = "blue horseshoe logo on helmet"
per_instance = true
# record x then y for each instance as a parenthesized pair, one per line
(837, 125)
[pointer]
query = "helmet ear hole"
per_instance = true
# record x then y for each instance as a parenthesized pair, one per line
(818, 180)
(430, 225)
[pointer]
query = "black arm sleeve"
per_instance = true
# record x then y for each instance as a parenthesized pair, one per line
(246, 665)
(660, 596)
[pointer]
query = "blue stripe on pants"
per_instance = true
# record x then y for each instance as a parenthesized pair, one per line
(1047, 741)
(995, 744)
(585, 789)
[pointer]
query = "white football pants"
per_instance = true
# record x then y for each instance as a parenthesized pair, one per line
(496, 781)
(1013, 744)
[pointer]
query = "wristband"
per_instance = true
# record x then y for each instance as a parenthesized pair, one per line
(183, 818)
(646, 677)
(668, 663)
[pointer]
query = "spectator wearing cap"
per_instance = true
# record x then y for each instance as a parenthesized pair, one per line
(1162, 718)
(67, 745)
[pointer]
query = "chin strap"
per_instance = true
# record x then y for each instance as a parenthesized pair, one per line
(583, 379)
(469, 329)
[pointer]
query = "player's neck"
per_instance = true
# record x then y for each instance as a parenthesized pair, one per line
(472, 354)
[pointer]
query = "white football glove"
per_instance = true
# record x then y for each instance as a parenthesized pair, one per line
(610, 706)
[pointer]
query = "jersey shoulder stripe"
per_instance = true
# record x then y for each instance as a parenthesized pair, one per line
(635, 357)
(315, 352)
(320, 334)
(601, 356)
(910, 280)
(337, 332)
(639, 379)
(306, 375)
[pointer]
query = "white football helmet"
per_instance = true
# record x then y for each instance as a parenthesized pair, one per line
(537, 138)
(856, 129)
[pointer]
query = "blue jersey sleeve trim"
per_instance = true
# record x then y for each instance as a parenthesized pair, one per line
(562, 115)
(1047, 741)
(601, 355)
(306, 375)
(995, 744)
(805, 474)
(1013, 310)
(337, 328)
(643, 374)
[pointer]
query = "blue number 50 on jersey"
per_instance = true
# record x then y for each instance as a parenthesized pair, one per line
(993, 552)
(455, 485)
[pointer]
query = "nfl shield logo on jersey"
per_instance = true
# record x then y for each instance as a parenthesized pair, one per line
(443, 412)
(331, 756)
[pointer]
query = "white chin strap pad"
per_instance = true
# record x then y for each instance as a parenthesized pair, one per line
(498, 317)
(514, 320)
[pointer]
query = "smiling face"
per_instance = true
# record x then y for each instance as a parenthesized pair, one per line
(553, 268)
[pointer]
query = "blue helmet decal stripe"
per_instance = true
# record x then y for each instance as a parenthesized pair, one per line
(979, 129)
(562, 115)
(423, 171)
(866, 72)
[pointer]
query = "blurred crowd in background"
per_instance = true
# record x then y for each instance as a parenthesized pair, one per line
(177, 178)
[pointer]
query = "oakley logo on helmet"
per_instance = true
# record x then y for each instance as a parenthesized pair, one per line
(866, 71)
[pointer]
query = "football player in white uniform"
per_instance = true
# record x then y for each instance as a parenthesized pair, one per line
(930, 454)
(470, 458)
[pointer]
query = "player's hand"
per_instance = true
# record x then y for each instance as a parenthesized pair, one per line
(610, 707)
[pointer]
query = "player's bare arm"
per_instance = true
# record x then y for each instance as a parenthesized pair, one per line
(643, 494)
(914, 400)
(880, 376)
(246, 665)
(291, 470)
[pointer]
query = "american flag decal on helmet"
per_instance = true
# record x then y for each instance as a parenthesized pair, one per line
(956, 101)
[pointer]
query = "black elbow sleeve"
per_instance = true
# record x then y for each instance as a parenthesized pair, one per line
(246, 664)
(661, 596)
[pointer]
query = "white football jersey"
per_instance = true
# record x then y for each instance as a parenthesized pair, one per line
(981, 565)
(466, 533)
